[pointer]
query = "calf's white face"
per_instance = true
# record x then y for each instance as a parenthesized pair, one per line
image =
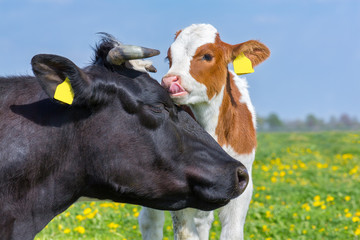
(182, 86)
(198, 63)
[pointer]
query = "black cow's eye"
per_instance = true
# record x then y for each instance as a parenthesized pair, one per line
(207, 57)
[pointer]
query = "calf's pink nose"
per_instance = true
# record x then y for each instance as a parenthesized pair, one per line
(168, 80)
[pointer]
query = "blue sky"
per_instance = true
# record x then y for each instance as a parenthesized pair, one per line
(315, 44)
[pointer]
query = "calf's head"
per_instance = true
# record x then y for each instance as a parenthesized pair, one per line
(136, 146)
(199, 61)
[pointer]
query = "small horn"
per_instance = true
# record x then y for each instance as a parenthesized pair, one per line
(120, 54)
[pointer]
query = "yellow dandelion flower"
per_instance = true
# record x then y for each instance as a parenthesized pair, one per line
(87, 211)
(317, 203)
(357, 214)
(306, 207)
(347, 198)
(329, 198)
(92, 215)
(346, 210)
(268, 214)
(80, 217)
(104, 205)
(282, 174)
(60, 227)
(92, 204)
(346, 227)
(267, 197)
(355, 219)
(308, 217)
(304, 231)
(216, 223)
(136, 214)
(323, 207)
(348, 215)
(357, 232)
(347, 156)
(257, 195)
(168, 228)
(273, 179)
(265, 228)
(302, 165)
(113, 225)
(80, 229)
(317, 198)
(134, 227)
(134, 210)
(354, 170)
(67, 214)
(264, 168)
(67, 230)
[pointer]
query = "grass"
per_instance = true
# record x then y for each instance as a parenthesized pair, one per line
(306, 186)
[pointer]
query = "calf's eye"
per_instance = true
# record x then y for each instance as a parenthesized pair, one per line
(207, 57)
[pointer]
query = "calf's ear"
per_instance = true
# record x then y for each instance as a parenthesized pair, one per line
(253, 50)
(59, 77)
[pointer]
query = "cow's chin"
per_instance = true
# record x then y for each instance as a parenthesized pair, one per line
(184, 203)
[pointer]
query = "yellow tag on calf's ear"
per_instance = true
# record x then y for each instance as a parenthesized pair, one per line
(64, 92)
(242, 65)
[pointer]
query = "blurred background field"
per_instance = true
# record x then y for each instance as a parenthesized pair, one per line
(306, 186)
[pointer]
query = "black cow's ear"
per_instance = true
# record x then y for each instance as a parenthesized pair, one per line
(60, 78)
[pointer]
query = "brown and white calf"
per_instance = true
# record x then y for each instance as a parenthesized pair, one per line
(199, 78)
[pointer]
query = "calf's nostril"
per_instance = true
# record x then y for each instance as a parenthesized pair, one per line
(243, 178)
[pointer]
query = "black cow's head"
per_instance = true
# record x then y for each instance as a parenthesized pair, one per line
(135, 145)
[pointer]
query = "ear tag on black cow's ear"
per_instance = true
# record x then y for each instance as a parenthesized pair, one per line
(242, 65)
(64, 92)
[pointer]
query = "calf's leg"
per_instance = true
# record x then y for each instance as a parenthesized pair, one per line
(203, 221)
(184, 224)
(151, 223)
(232, 216)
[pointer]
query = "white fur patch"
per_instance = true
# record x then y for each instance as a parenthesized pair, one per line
(207, 113)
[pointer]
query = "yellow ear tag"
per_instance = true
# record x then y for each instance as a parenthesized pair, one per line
(64, 92)
(242, 65)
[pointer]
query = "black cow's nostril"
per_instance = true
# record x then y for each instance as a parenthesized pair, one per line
(243, 178)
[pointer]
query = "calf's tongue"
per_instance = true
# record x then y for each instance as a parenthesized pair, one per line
(176, 88)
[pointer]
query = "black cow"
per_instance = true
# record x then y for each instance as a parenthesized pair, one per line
(121, 139)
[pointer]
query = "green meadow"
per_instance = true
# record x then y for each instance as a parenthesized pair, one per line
(306, 186)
